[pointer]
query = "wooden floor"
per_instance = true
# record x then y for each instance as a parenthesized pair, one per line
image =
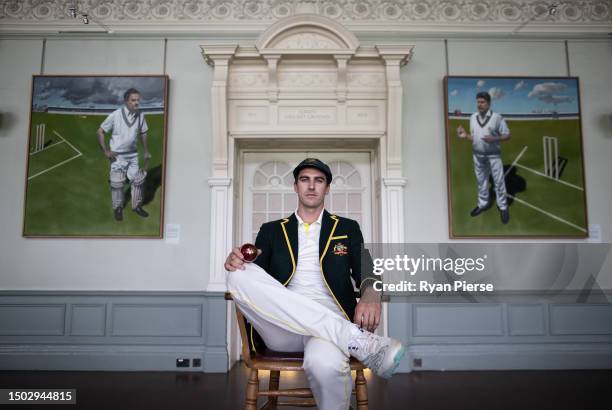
(499, 390)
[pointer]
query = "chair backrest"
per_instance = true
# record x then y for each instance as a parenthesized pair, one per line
(246, 352)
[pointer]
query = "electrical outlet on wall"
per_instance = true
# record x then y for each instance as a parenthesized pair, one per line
(182, 362)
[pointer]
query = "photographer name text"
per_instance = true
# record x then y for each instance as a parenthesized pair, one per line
(427, 287)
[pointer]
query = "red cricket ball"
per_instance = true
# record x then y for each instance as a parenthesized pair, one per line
(249, 252)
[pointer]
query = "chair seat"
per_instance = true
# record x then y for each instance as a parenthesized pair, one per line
(269, 355)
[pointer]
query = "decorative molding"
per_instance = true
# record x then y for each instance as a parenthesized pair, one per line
(395, 182)
(394, 57)
(220, 229)
(366, 80)
(250, 80)
(272, 61)
(307, 34)
(441, 16)
(346, 10)
(306, 41)
(222, 182)
(398, 54)
(341, 88)
(220, 53)
(305, 97)
(325, 80)
(219, 56)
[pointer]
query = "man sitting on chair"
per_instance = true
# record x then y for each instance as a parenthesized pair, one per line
(298, 295)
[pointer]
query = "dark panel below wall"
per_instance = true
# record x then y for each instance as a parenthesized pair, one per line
(112, 330)
(506, 332)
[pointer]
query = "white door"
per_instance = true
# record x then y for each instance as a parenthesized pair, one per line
(267, 194)
(267, 188)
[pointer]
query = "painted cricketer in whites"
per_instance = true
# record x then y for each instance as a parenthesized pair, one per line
(96, 145)
(127, 125)
(488, 130)
(521, 150)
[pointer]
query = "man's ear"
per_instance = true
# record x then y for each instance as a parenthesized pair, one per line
(295, 187)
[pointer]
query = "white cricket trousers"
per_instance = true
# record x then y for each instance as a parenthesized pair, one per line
(290, 322)
(485, 165)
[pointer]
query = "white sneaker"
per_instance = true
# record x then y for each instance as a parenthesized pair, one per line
(381, 354)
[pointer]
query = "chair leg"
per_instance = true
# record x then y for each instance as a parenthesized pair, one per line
(361, 391)
(273, 385)
(272, 402)
(251, 391)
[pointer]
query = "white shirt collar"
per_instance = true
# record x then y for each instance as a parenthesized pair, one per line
(128, 112)
(301, 221)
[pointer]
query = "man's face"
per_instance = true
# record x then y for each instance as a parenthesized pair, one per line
(133, 102)
(482, 104)
(311, 187)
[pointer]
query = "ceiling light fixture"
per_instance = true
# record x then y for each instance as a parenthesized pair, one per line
(74, 12)
(551, 11)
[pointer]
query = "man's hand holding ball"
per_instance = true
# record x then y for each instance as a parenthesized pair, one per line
(239, 256)
(461, 133)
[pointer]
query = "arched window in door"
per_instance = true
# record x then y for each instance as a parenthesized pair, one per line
(273, 196)
(346, 193)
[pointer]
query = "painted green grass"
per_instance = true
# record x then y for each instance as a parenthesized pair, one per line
(74, 198)
(553, 197)
(49, 157)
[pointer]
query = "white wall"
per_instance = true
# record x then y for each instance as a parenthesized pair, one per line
(63, 56)
(19, 59)
(110, 264)
(526, 57)
(54, 264)
(423, 144)
(592, 62)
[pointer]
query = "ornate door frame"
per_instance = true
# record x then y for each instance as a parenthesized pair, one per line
(306, 78)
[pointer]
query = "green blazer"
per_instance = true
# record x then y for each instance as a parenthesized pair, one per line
(339, 253)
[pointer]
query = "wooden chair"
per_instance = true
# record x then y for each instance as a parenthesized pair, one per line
(276, 362)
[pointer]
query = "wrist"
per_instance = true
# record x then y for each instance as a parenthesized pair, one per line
(371, 295)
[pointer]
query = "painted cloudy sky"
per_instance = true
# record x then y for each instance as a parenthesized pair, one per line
(96, 92)
(515, 95)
